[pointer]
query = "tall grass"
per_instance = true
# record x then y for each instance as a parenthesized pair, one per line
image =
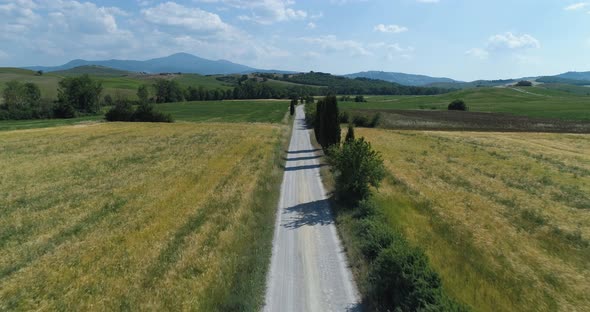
(505, 228)
(137, 216)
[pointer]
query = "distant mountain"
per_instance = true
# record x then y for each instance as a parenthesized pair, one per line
(401, 78)
(575, 75)
(94, 70)
(180, 62)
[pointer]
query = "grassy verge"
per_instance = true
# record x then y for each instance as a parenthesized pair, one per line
(502, 216)
(138, 216)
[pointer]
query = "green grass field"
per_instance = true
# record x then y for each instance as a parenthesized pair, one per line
(115, 83)
(532, 102)
(266, 111)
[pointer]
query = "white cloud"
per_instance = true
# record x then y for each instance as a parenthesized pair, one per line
(192, 19)
(265, 11)
(510, 41)
(390, 28)
(576, 6)
(311, 25)
(331, 44)
(481, 54)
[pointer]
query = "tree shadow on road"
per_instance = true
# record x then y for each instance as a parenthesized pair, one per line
(313, 213)
(302, 158)
(308, 167)
(303, 151)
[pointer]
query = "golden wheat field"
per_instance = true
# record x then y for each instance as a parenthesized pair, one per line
(137, 216)
(503, 217)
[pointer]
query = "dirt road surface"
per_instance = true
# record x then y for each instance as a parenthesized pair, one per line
(309, 271)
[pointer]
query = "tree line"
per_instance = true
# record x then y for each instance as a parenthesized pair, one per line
(399, 276)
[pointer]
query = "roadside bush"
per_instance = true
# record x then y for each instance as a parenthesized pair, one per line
(310, 112)
(374, 237)
(356, 168)
(375, 120)
(458, 105)
(349, 134)
(401, 278)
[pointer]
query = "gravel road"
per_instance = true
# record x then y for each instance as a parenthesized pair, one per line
(309, 271)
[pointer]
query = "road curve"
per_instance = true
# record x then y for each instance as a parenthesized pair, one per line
(309, 271)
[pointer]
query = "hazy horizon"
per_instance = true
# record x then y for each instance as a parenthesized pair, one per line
(462, 40)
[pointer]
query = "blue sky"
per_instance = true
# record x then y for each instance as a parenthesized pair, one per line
(460, 39)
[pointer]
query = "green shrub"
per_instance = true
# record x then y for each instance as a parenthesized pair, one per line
(356, 167)
(401, 278)
(374, 237)
(146, 113)
(349, 134)
(344, 117)
(458, 105)
(64, 110)
(122, 111)
(375, 120)
(361, 121)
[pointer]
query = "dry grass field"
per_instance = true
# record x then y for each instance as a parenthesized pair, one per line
(503, 217)
(137, 216)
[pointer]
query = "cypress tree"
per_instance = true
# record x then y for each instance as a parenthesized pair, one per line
(318, 121)
(350, 133)
(330, 122)
(292, 108)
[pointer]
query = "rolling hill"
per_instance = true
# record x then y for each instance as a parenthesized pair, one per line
(402, 78)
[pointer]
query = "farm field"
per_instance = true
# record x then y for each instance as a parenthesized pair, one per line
(272, 111)
(532, 102)
(503, 217)
(269, 111)
(140, 216)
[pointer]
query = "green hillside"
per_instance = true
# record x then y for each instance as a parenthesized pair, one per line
(532, 102)
(93, 70)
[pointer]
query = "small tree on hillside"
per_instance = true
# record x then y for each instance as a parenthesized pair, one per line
(524, 83)
(458, 105)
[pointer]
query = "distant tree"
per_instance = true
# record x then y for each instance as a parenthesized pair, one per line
(81, 93)
(360, 99)
(524, 83)
(357, 167)
(349, 133)
(329, 122)
(168, 91)
(458, 105)
(143, 94)
(12, 95)
(39, 73)
(108, 100)
(122, 111)
(292, 107)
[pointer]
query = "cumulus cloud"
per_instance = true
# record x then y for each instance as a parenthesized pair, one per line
(394, 29)
(265, 11)
(193, 19)
(509, 40)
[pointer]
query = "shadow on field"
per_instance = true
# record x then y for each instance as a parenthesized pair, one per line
(311, 214)
(302, 158)
(308, 167)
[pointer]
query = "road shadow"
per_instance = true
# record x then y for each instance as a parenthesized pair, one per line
(312, 213)
(302, 158)
(308, 167)
(303, 151)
